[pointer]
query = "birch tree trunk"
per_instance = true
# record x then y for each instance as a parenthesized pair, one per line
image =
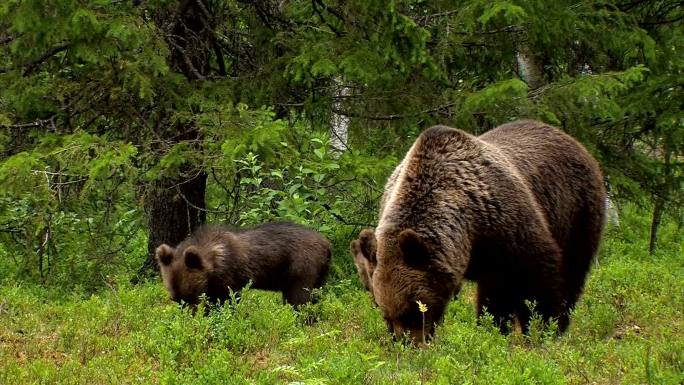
(529, 68)
(339, 124)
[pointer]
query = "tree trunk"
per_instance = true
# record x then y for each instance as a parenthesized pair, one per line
(658, 210)
(612, 216)
(529, 68)
(662, 196)
(339, 124)
(174, 207)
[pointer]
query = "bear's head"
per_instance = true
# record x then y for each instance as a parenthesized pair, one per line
(405, 274)
(185, 270)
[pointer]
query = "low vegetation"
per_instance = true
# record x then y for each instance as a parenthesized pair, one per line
(627, 329)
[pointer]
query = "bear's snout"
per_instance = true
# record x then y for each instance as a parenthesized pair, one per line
(416, 337)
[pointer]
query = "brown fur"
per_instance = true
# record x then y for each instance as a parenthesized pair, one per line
(360, 248)
(519, 210)
(276, 256)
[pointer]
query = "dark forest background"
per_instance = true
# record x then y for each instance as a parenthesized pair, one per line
(125, 124)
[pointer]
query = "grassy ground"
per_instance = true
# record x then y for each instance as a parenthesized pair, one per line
(627, 329)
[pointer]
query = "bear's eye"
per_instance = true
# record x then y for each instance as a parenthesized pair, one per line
(193, 260)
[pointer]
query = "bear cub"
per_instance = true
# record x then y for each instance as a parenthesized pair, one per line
(215, 260)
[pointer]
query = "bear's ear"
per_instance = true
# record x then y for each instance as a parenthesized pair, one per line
(363, 266)
(414, 250)
(368, 244)
(193, 258)
(356, 248)
(164, 254)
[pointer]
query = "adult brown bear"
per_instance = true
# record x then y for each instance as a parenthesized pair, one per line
(519, 210)
(214, 260)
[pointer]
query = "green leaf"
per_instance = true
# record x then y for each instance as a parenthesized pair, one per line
(510, 12)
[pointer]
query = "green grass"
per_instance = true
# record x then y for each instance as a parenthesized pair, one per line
(627, 329)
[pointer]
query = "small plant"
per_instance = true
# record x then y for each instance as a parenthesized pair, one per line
(423, 309)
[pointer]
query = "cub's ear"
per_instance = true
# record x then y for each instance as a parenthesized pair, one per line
(368, 244)
(415, 251)
(164, 254)
(193, 258)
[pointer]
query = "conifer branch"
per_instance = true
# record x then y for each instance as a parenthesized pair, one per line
(32, 64)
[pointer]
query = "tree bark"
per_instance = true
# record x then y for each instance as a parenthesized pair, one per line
(529, 68)
(174, 210)
(339, 124)
(612, 216)
(658, 210)
(661, 197)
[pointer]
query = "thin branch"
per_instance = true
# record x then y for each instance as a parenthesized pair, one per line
(36, 123)
(31, 64)
(662, 22)
(322, 18)
(187, 201)
(186, 59)
(218, 182)
(176, 16)
(55, 173)
(8, 39)
(395, 116)
(423, 20)
(332, 11)
(342, 219)
(203, 8)
(440, 14)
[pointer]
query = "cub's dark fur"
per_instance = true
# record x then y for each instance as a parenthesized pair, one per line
(281, 257)
(519, 210)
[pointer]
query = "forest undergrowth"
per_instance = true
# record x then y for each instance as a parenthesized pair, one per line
(627, 329)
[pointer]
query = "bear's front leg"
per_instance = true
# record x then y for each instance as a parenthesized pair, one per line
(541, 285)
(494, 297)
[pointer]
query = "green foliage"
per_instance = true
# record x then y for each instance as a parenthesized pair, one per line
(505, 10)
(101, 100)
(498, 101)
(64, 209)
(302, 191)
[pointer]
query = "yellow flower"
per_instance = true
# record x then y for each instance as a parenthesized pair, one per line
(422, 307)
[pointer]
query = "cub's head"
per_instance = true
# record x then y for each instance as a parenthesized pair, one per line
(406, 272)
(185, 270)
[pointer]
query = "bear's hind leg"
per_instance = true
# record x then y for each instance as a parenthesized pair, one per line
(579, 251)
(297, 294)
